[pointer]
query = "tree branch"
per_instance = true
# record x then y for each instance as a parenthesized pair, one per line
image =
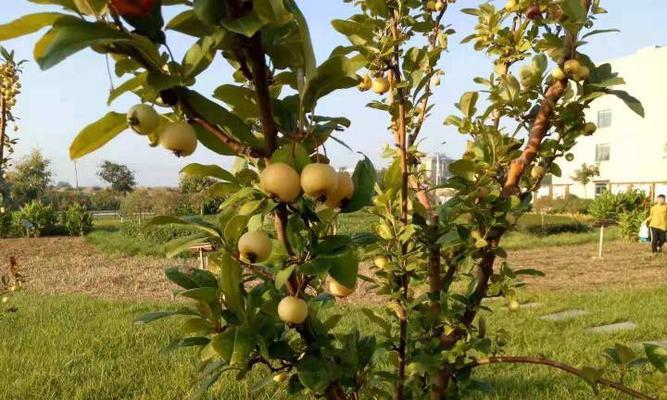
(563, 367)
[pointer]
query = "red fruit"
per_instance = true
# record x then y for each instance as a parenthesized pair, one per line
(534, 12)
(133, 8)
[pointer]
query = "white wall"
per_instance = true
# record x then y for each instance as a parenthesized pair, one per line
(637, 146)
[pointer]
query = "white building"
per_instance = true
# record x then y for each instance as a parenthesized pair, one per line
(437, 168)
(631, 152)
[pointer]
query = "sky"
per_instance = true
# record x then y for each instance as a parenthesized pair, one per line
(55, 104)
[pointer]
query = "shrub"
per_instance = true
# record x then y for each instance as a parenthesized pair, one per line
(77, 220)
(42, 218)
(630, 221)
(609, 206)
(567, 205)
(105, 200)
(6, 227)
(556, 228)
(160, 234)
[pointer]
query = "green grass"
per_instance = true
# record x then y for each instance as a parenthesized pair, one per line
(75, 347)
(111, 240)
(519, 240)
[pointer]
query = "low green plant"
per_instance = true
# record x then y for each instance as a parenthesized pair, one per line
(609, 206)
(77, 220)
(630, 221)
(35, 218)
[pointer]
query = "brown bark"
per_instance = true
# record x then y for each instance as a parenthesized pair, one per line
(261, 82)
(562, 367)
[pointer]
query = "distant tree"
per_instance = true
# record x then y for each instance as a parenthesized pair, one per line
(62, 185)
(191, 184)
(119, 176)
(585, 174)
(30, 178)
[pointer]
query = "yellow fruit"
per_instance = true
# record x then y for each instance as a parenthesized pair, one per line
(280, 377)
(339, 290)
(439, 5)
(365, 83)
(381, 262)
(582, 74)
(514, 305)
(572, 67)
(590, 128)
(537, 172)
(179, 137)
(292, 310)
(558, 74)
(143, 119)
(430, 5)
(281, 181)
(255, 246)
(343, 192)
(510, 5)
(381, 85)
(317, 180)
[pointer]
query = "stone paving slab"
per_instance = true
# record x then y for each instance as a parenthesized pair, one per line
(564, 315)
(617, 327)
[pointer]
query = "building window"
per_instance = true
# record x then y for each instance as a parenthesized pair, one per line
(601, 187)
(602, 152)
(604, 118)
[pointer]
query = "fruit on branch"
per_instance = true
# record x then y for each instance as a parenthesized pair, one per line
(569, 157)
(537, 172)
(439, 5)
(133, 8)
(381, 85)
(430, 5)
(381, 262)
(179, 137)
(590, 128)
(254, 247)
(338, 290)
(528, 76)
(343, 192)
(533, 12)
(143, 119)
(577, 71)
(279, 377)
(558, 74)
(318, 180)
(365, 83)
(292, 310)
(281, 182)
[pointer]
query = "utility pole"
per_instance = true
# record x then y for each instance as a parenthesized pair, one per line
(76, 176)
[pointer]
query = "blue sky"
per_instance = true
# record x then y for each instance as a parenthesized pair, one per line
(57, 103)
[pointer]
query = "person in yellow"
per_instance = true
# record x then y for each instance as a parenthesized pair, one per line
(657, 221)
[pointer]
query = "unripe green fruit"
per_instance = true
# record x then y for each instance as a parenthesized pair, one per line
(280, 181)
(292, 310)
(569, 157)
(343, 192)
(537, 172)
(339, 290)
(143, 119)
(179, 137)
(582, 74)
(558, 74)
(590, 128)
(317, 180)
(381, 85)
(365, 83)
(572, 67)
(255, 247)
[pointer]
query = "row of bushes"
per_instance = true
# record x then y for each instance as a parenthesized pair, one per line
(155, 234)
(39, 219)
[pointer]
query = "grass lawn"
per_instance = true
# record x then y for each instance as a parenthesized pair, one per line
(77, 347)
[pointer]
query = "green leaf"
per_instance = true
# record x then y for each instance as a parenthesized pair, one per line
(591, 375)
(247, 25)
(210, 12)
(467, 103)
(27, 24)
(345, 267)
(131, 84)
(296, 156)
(310, 63)
(154, 316)
(177, 246)
(213, 171)
(272, 11)
(657, 356)
(364, 179)
(335, 73)
(576, 13)
(235, 227)
(463, 168)
(241, 99)
(203, 294)
(234, 344)
(70, 35)
(358, 33)
(188, 24)
(632, 102)
(67, 4)
(201, 54)
(231, 285)
(283, 275)
(181, 279)
(378, 7)
(97, 134)
(196, 325)
(314, 373)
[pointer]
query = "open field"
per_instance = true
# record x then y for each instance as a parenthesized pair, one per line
(73, 336)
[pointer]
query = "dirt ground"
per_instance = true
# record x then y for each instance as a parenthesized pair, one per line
(70, 265)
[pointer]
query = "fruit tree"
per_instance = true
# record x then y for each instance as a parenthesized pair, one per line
(269, 298)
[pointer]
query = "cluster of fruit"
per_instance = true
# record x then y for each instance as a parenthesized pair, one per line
(10, 86)
(179, 137)
(284, 184)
